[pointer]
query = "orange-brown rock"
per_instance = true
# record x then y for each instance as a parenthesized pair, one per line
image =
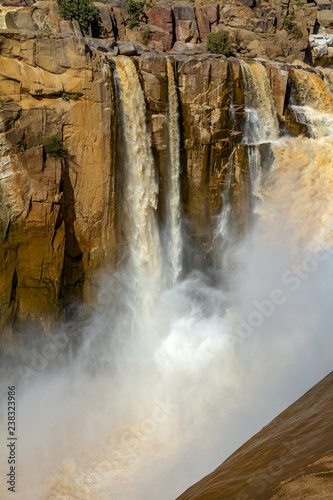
(207, 19)
(161, 15)
(58, 215)
(290, 458)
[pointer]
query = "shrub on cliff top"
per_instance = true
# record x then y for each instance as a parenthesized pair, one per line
(293, 29)
(135, 11)
(54, 147)
(220, 43)
(84, 11)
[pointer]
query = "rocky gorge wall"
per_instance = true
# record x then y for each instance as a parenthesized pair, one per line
(61, 219)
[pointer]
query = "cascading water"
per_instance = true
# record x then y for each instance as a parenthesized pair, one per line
(313, 102)
(301, 180)
(142, 418)
(141, 187)
(261, 125)
(174, 222)
(261, 121)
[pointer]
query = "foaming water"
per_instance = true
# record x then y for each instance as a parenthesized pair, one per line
(262, 123)
(309, 89)
(152, 402)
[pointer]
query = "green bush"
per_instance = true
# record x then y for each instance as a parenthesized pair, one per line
(288, 23)
(135, 13)
(54, 147)
(146, 34)
(20, 143)
(84, 11)
(72, 97)
(293, 29)
(297, 31)
(220, 43)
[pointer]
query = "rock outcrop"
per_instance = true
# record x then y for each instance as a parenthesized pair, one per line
(258, 29)
(57, 215)
(292, 457)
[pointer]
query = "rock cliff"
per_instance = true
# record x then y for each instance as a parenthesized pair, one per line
(289, 458)
(60, 218)
(60, 222)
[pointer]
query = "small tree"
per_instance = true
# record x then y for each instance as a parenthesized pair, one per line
(84, 11)
(54, 147)
(220, 43)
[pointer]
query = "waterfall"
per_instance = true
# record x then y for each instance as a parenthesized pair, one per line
(261, 121)
(255, 174)
(224, 224)
(141, 187)
(313, 102)
(301, 181)
(174, 225)
(147, 414)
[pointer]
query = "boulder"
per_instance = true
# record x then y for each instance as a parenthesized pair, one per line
(186, 27)
(324, 4)
(45, 15)
(161, 16)
(105, 22)
(325, 18)
(126, 49)
(17, 3)
(207, 19)
(66, 27)
(21, 19)
(255, 49)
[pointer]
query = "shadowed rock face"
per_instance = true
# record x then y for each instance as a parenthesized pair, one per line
(292, 457)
